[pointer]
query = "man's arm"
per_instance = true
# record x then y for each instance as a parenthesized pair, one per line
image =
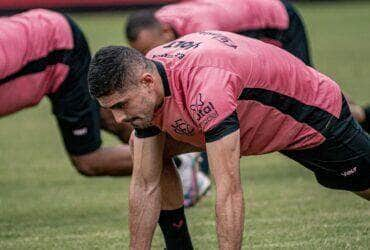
(145, 191)
(224, 159)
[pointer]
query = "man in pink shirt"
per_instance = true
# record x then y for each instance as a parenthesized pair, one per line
(273, 21)
(231, 96)
(44, 53)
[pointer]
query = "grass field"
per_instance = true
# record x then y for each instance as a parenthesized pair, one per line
(45, 204)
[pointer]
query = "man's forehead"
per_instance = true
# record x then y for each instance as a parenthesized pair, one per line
(108, 101)
(145, 40)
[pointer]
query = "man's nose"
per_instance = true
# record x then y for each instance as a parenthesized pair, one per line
(119, 116)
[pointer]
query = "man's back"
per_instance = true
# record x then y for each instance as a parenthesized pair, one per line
(280, 102)
(230, 15)
(32, 43)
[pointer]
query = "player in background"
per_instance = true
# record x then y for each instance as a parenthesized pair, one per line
(44, 53)
(273, 21)
(238, 97)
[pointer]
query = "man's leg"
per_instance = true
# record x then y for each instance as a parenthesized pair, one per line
(172, 220)
(108, 123)
(295, 39)
(81, 136)
(361, 114)
(365, 123)
(79, 119)
(364, 194)
(343, 160)
(105, 161)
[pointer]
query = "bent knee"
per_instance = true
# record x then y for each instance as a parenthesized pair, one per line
(84, 165)
(364, 194)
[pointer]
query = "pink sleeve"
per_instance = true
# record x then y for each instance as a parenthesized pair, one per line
(211, 97)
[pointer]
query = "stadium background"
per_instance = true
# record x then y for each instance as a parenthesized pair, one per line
(45, 204)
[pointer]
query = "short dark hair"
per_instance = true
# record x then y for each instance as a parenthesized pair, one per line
(113, 68)
(138, 21)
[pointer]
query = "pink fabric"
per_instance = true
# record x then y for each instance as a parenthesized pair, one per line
(207, 72)
(28, 4)
(227, 15)
(24, 38)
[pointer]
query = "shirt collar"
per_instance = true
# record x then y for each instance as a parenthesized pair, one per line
(162, 73)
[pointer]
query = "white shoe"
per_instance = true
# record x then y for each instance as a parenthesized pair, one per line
(188, 175)
(204, 184)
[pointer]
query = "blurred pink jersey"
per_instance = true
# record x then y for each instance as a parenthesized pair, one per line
(226, 15)
(30, 44)
(281, 103)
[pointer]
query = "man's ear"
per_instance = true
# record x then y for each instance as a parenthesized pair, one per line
(147, 80)
(167, 31)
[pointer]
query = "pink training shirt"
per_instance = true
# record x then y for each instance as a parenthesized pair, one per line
(281, 103)
(226, 15)
(25, 39)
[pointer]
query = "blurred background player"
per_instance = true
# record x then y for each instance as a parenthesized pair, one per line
(55, 64)
(273, 21)
(44, 53)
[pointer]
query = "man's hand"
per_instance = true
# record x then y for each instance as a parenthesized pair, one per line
(145, 191)
(224, 158)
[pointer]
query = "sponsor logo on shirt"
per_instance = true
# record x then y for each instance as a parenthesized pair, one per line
(182, 44)
(203, 112)
(219, 37)
(182, 128)
(166, 55)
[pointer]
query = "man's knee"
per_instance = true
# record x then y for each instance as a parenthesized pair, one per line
(84, 165)
(364, 194)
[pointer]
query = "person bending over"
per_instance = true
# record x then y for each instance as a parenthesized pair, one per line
(44, 53)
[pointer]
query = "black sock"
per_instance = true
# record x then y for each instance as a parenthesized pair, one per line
(175, 229)
(366, 124)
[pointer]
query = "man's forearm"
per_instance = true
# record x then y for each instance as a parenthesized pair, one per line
(145, 206)
(145, 190)
(223, 156)
(230, 219)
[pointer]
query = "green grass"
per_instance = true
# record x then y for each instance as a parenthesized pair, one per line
(45, 204)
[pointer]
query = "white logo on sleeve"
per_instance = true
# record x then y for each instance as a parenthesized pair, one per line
(80, 131)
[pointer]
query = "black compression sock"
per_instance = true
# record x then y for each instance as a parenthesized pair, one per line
(366, 124)
(175, 229)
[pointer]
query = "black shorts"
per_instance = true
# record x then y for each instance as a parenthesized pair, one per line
(76, 112)
(343, 160)
(293, 39)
